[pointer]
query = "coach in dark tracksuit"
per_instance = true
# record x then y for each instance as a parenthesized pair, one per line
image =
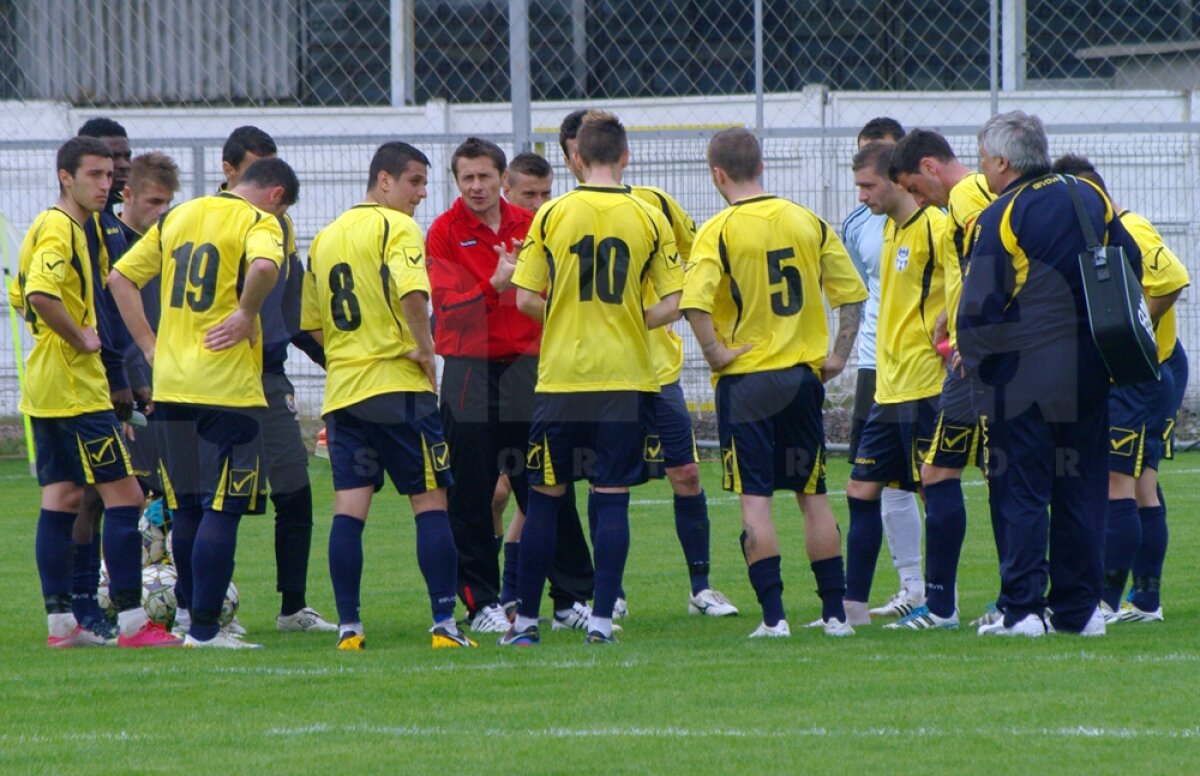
(1040, 385)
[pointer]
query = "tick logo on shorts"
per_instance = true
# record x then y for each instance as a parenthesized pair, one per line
(414, 257)
(101, 452)
(1122, 441)
(440, 455)
(241, 482)
(533, 458)
(727, 466)
(922, 448)
(901, 259)
(652, 450)
(954, 439)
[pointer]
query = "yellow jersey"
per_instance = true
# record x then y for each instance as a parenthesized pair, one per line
(912, 296)
(60, 381)
(591, 250)
(359, 268)
(202, 248)
(967, 200)
(760, 268)
(666, 347)
(1162, 274)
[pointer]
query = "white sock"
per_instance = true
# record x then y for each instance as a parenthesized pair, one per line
(563, 613)
(132, 620)
(902, 526)
(61, 625)
(521, 623)
(350, 627)
(183, 618)
(449, 624)
(601, 624)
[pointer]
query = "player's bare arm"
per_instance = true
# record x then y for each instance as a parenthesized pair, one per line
(416, 314)
(716, 353)
(531, 304)
(666, 311)
(1158, 305)
(260, 278)
(53, 313)
(849, 316)
(133, 312)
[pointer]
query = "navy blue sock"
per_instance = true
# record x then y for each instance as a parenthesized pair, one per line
(538, 538)
(610, 548)
(945, 529)
(345, 565)
(123, 553)
(438, 560)
(212, 570)
(1121, 539)
(692, 528)
(55, 552)
(184, 524)
(831, 587)
(86, 581)
(508, 581)
(768, 586)
(862, 547)
(1148, 563)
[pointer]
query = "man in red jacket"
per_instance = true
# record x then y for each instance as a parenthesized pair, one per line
(490, 351)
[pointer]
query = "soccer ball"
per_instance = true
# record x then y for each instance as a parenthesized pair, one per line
(169, 549)
(106, 603)
(158, 593)
(154, 542)
(229, 606)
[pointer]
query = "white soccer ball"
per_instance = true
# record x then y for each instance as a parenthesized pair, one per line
(168, 548)
(229, 606)
(154, 542)
(158, 593)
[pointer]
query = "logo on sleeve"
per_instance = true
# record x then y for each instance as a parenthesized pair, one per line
(901, 259)
(673, 260)
(414, 256)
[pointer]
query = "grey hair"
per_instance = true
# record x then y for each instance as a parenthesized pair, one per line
(1018, 137)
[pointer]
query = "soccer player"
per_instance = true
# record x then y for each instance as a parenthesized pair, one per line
(588, 251)
(77, 437)
(862, 233)
(909, 368)
(286, 455)
(673, 440)
(924, 164)
(527, 181)
(490, 353)
(1136, 530)
(219, 257)
(366, 297)
(753, 297)
(116, 139)
(1041, 388)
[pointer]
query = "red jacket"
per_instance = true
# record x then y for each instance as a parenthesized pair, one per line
(470, 318)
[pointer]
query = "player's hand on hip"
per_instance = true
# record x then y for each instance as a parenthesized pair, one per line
(507, 264)
(229, 332)
(719, 355)
(428, 364)
(89, 340)
(833, 366)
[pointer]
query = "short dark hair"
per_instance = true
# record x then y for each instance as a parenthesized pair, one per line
(875, 155)
(601, 138)
(1080, 167)
(101, 127)
(530, 164)
(70, 154)
(881, 128)
(475, 148)
(915, 146)
(569, 129)
(267, 173)
(244, 140)
(737, 152)
(393, 157)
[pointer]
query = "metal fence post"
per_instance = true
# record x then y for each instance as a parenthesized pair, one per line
(758, 65)
(518, 68)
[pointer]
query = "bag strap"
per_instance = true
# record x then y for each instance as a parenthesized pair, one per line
(1085, 223)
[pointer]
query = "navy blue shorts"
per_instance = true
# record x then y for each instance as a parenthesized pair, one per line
(772, 432)
(673, 444)
(1135, 419)
(895, 441)
(1177, 363)
(603, 437)
(957, 442)
(143, 451)
(83, 449)
(397, 433)
(212, 457)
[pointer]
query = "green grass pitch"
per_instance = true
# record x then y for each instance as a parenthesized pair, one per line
(680, 694)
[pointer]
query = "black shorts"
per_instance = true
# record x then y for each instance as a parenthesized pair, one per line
(772, 432)
(1177, 363)
(83, 449)
(673, 443)
(957, 442)
(895, 441)
(397, 433)
(212, 457)
(603, 437)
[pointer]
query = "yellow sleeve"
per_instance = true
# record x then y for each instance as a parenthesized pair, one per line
(683, 227)
(310, 302)
(666, 270)
(1163, 273)
(265, 240)
(703, 274)
(49, 259)
(533, 271)
(143, 262)
(406, 259)
(839, 279)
